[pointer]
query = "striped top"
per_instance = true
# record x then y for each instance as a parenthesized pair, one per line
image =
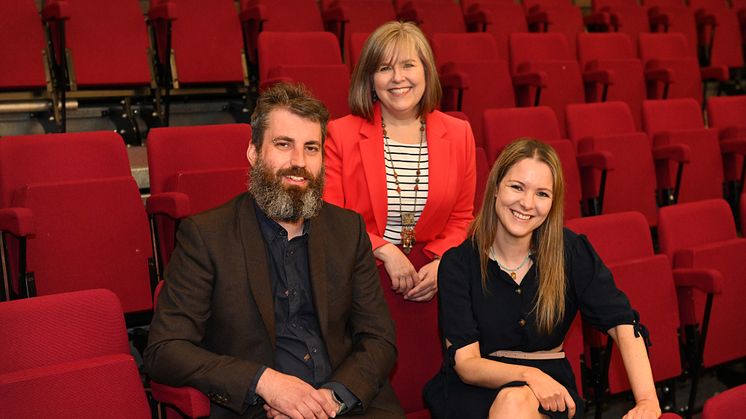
(404, 158)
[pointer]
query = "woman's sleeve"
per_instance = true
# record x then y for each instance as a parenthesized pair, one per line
(457, 319)
(601, 303)
(462, 214)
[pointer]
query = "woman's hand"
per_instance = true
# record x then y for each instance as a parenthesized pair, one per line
(644, 409)
(401, 271)
(428, 286)
(552, 395)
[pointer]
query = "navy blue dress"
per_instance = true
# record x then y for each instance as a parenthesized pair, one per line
(501, 317)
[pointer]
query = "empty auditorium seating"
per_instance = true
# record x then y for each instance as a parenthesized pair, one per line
(278, 16)
(312, 58)
(23, 39)
(345, 17)
(674, 16)
(680, 76)
(718, 32)
(473, 76)
(433, 16)
(612, 71)
(624, 243)
(625, 16)
(680, 122)
(559, 16)
(69, 357)
(498, 18)
(726, 404)
(631, 186)
(193, 169)
(503, 126)
(727, 115)
(710, 243)
(546, 58)
(73, 218)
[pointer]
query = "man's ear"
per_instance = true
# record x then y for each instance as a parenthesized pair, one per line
(251, 154)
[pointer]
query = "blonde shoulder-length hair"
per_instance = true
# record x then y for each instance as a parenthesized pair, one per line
(547, 242)
(383, 45)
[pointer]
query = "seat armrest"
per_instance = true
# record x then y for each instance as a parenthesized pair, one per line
(605, 77)
(705, 19)
(602, 19)
(409, 15)
(172, 204)
(708, 281)
(452, 78)
(478, 18)
(680, 153)
(188, 400)
(719, 73)
(537, 18)
(334, 14)
(253, 13)
(600, 160)
(659, 74)
(163, 12)
(17, 221)
(733, 146)
(531, 79)
(733, 132)
(58, 10)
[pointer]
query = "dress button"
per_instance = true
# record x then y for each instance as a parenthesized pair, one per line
(314, 350)
(522, 322)
(307, 357)
(518, 291)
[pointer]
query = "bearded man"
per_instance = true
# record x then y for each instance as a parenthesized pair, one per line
(272, 304)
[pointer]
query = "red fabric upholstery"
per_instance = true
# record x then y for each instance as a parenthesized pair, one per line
(627, 16)
(500, 18)
(417, 339)
(434, 16)
(69, 354)
(473, 57)
(726, 47)
(207, 42)
(358, 16)
(679, 19)
(329, 83)
(90, 234)
(292, 48)
(23, 40)
(623, 241)
(548, 53)
(728, 404)
(710, 242)
(30, 159)
(573, 192)
(108, 43)
(561, 15)
(680, 122)
(672, 51)
(727, 114)
(614, 53)
(503, 126)
(188, 159)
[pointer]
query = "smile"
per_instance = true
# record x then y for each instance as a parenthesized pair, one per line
(520, 216)
(400, 90)
(296, 179)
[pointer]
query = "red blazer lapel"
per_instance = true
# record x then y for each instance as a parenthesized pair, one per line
(374, 165)
(438, 148)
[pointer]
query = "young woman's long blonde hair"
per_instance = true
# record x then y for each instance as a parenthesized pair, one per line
(547, 241)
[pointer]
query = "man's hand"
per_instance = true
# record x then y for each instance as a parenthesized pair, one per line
(294, 398)
(401, 271)
(428, 286)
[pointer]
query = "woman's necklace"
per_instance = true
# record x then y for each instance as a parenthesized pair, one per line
(407, 217)
(512, 271)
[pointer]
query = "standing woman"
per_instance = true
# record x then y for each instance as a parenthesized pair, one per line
(509, 294)
(406, 167)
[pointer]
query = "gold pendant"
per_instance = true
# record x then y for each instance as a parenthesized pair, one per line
(407, 231)
(512, 275)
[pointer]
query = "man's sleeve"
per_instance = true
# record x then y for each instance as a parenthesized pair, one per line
(367, 367)
(174, 355)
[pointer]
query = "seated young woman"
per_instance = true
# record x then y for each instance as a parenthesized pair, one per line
(509, 294)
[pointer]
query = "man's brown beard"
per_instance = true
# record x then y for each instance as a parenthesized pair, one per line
(282, 203)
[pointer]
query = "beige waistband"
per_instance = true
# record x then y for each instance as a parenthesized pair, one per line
(555, 353)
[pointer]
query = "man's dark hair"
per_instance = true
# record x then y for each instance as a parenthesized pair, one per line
(296, 98)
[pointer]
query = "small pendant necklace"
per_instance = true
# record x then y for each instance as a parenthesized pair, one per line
(510, 271)
(407, 218)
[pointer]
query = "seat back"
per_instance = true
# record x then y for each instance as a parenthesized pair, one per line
(436, 16)
(595, 119)
(357, 41)
(504, 18)
(503, 126)
(362, 16)
(624, 243)
(726, 44)
(530, 47)
(329, 83)
(725, 404)
(710, 243)
(89, 234)
(73, 348)
(292, 48)
(23, 39)
(573, 191)
(94, 31)
(207, 42)
(671, 51)
(680, 20)
(727, 114)
(455, 47)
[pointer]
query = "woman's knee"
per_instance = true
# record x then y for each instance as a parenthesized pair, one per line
(514, 402)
